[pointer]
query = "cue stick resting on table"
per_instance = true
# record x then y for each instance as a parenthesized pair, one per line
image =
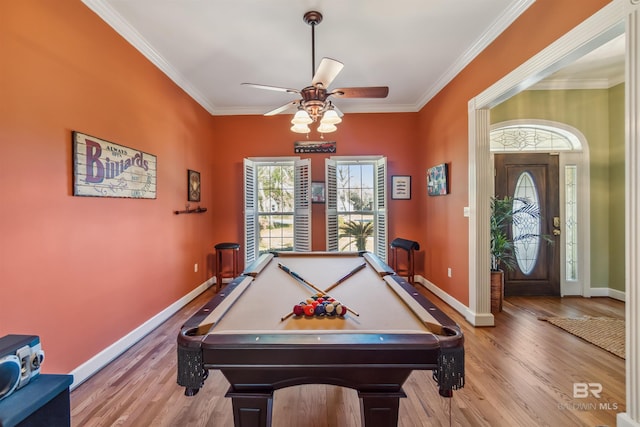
(346, 276)
(315, 288)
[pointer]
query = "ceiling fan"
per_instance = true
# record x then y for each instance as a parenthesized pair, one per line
(314, 103)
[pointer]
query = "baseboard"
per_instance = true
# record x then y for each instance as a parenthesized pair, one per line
(481, 320)
(623, 420)
(607, 292)
(102, 359)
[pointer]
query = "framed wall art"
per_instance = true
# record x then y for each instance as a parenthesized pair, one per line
(193, 185)
(401, 187)
(317, 192)
(438, 180)
(104, 169)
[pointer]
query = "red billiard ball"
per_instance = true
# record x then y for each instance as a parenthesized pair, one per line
(309, 310)
(298, 310)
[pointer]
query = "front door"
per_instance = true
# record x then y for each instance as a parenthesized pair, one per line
(536, 176)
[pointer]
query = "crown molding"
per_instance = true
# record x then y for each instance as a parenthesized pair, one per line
(122, 27)
(566, 84)
(498, 26)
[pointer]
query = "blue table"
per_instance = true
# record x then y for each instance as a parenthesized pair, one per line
(43, 402)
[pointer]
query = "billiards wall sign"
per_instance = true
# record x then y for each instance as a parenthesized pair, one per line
(105, 169)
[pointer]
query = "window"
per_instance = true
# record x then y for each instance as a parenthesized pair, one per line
(533, 137)
(356, 204)
(277, 206)
(571, 222)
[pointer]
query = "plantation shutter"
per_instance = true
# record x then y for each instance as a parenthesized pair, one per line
(380, 208)
(250, 212)
(302, 205)
(331, 205)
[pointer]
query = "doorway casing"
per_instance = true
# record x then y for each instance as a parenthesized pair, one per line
(618, 17)
(605, 25)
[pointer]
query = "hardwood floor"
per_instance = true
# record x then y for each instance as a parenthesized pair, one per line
(519, 373)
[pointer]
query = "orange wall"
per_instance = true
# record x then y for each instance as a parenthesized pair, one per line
(391, 135)
(443, 134)
(82, 272)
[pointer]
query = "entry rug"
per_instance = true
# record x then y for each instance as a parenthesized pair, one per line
(605, 332)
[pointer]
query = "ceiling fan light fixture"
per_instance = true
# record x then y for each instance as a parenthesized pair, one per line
(313, 105)
(326, 128)
(301, 118)
(300, 128)
(330, 117)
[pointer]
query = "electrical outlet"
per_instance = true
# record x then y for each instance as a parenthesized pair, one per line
(449, 271)
(195, 267)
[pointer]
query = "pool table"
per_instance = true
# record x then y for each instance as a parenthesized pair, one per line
(248, 332)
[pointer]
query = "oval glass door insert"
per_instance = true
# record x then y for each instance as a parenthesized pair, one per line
(526, 223)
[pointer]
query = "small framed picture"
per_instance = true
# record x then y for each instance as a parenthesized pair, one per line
(317, 192)
(193, 185)
(401, 187)
(438, 180)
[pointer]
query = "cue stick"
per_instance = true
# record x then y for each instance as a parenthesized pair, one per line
(311, 285)
(340, 280)
(346, 276)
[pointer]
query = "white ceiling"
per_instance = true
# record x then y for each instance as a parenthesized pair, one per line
(210, 47)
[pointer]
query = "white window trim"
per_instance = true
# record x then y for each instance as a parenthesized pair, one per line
(380, 201)
(302, 204)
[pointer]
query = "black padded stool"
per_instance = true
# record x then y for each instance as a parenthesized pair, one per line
(221, 273)
(410, 246)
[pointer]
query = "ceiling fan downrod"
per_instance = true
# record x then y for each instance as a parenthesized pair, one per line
(313, 18)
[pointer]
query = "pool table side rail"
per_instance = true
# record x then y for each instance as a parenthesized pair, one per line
(258, 265)
(437, 314)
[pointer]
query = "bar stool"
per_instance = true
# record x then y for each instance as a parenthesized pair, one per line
(410, 247)
(221, 273)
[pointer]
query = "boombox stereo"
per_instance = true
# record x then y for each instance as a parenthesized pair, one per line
(20, 359)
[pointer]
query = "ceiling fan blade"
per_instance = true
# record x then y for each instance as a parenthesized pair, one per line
(275, 88)
(327, 71)
(283, 108)
(340, 113)
(361, 92)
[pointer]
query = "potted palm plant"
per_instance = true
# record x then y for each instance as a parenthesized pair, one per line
(358, 231)
(502, 248)
(503, 244)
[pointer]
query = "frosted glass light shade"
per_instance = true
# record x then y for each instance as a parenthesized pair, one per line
(326, 128)
(300, 128)
(301, 118)
(331, 117)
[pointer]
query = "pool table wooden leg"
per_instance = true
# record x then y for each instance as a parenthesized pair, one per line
(251, 409)
(380, 409)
